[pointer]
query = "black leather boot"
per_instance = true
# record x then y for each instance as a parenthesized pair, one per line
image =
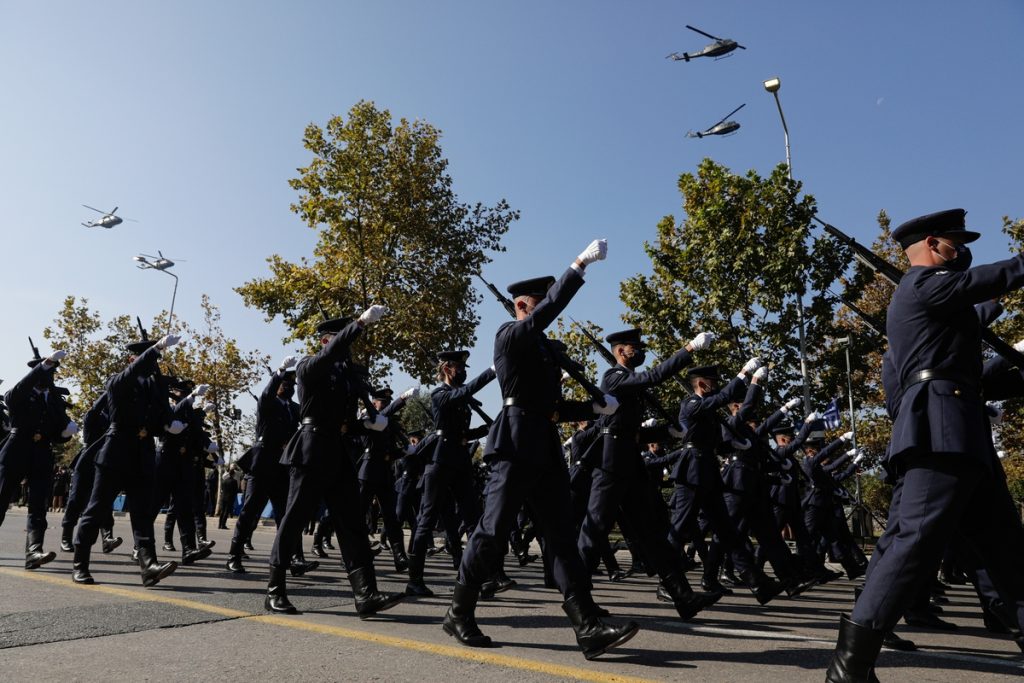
(369, 600)
(80, 568)
(401, 559)
(853, 569)
(299, 566)
(713, 585)
(153, 573)
(169, 539)
(856, 651)
(687, 601)
(109, 542)
(764, 588)
(34, 555)
(593, 635)
(416, 586)
(67, 542)
(277, 593)
(234, 564)
(191, 555)
(460, 621)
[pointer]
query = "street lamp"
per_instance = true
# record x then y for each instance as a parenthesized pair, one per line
(162, 264)
(772, 85)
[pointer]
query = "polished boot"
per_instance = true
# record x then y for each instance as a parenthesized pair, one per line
(764, 588)
(416, 586)
(153, 573)
(401, 559)
(67, 542)
(687, 601)
(234, 564)
(853, 569)
(34, 555)
(277, 593)
(203, 542)
(169, 539)
(299, 566)
(796, 585)
(593, 635)
(191, 555)
(892, 641)
(925, 619)
(369, 600)
(109, 542)
(319, 541)
(460, 622)
(713, 585)
(856, 651)
(80, 568)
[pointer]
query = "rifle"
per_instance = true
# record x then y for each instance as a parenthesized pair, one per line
(650, 399)
(35, 351)
(571, 367)
(473, 403)
(893, 274)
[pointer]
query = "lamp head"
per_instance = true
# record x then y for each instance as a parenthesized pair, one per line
(772, 85)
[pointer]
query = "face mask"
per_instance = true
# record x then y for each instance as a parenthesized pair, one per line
(962, 260)
(637, 359)
(459, 378)
(286, 392)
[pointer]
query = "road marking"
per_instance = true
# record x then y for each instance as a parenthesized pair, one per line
(456, 652)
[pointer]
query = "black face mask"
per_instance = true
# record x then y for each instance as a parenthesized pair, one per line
(286, 393)
(459, 378)
(962, 261)
(637, 359)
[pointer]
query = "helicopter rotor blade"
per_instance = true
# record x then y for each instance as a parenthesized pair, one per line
(703, 33)
(730, 114)
(94, 209)
(128, 219)
(740, 46)
(114, 211)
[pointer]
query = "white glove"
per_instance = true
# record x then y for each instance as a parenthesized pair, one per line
(995, 414)
(791, 403)
(1019, 346)
(566, 376)
(595, 251)
(761, 373)
(702, 341)
(858, 459)
(70, 430)
(812, 416)
(412, 392)
(287, 362)
(567, 442)
(650, 422)
(852, 452)
(847, 436)
(168, 341)
(213, 447)
(56, 357)
(176, 427)
(201, 390)
(373, 314)
(752, 364)
(492, 368)
(377, 424)
(611, 404)
(676, 433)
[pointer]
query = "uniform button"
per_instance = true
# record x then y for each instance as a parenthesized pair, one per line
(956, 392)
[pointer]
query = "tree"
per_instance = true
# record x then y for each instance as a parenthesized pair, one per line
(391, 231)
(735, 267)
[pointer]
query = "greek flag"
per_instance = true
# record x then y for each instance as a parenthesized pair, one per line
(831, 415)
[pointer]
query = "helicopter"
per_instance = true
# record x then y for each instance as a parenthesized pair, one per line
(108, 221)
(723, 127)
(719, 48)
(158, 262)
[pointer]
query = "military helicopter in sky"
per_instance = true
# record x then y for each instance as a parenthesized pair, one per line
(719, 48)
(723, 127)
(108, 221)
(158, 262)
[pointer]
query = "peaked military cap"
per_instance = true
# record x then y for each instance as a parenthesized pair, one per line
(136, 348)
(382, 394)
(453, 356)
(630, 336)
(817, 433)
(333, 326)
(705, 371)
(949, 223)
(784, 429)
(537, 286)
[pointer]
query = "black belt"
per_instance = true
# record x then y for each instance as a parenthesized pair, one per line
(510, 401)
(514, 402)
(141, 432)
(309, 421)
(941, 375)
(36, 436)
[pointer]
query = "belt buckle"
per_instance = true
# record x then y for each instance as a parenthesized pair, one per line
(554, 417)
(37, 437)
(143, 433)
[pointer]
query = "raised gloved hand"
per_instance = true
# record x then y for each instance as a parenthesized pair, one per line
(595, 251)
(55, 357)
(70, 430)
(212, 447)
(378, 423)
(411, 392)
(761, 373)
(995, 413)
(791, 403)
(611, 404)
(176, 427)
(702, 341)
(852, 452)
(287, 362)
(858, 459)
(1019, 346)
(846, 436)
(373, 314)
(200, 390)
(168, 341)
(812, 416)
(649, 422)
(752, 364)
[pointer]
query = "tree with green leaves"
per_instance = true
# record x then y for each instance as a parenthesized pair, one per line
(391, 231)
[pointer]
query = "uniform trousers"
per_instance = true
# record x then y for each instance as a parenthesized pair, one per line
(272, 486)
(37, 467)
(688, 502)
(384, 491)
(174, 480)
(137, 480)
(443, 484)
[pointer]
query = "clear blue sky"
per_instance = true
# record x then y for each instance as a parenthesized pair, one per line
(189, 116)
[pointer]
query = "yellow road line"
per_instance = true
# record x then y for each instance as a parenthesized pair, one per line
(456, 652)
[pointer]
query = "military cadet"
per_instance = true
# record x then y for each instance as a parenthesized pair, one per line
(138, 409)
(321, 469)
(38, 417)
(277, 417)
(448, 474)
(584, 451)
(407, 486)
(819, 503)
(941, 447)
(376, 477)
(620, 485)
(83, 473)
(526, 464)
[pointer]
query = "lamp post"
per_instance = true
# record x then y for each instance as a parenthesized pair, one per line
(772, 85)
(163, 265)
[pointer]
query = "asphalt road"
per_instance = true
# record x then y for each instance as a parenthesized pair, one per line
(205, 623)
